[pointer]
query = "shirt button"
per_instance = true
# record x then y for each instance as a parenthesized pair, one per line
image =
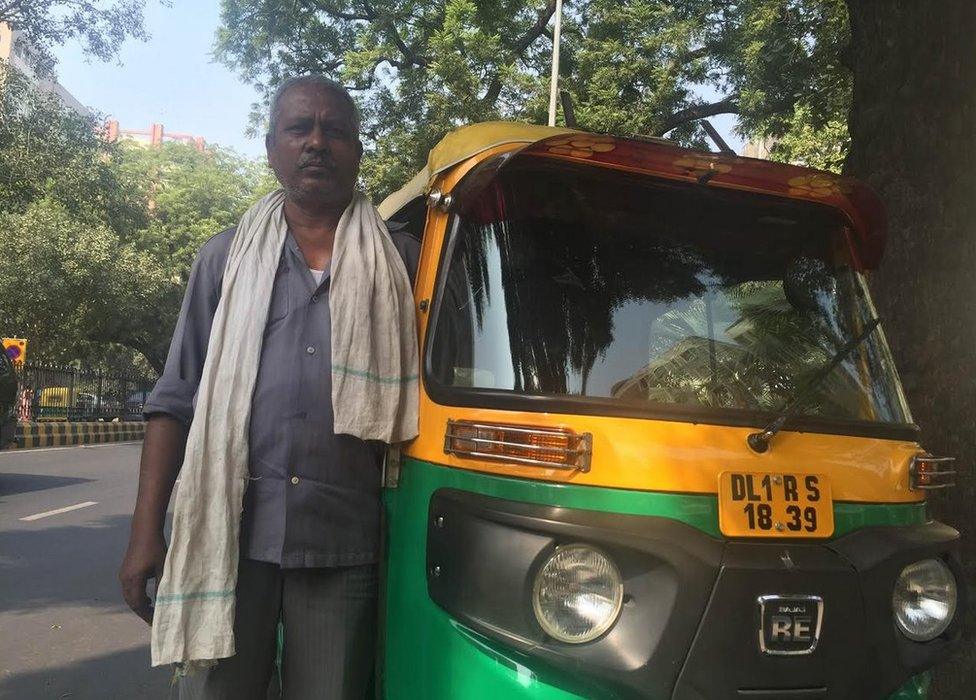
(310, 349)
(294, 480)
(315, 298)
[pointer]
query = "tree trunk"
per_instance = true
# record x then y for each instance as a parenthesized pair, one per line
(913, 129)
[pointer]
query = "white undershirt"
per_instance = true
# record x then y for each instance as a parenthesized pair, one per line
(317, 275)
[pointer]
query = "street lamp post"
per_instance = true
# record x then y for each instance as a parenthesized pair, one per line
(554, 83)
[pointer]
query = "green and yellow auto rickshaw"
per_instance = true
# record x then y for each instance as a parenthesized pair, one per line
(664, 451)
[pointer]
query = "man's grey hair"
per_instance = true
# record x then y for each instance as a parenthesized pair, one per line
(319, 81)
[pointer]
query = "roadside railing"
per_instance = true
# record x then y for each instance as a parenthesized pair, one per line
(56, 393)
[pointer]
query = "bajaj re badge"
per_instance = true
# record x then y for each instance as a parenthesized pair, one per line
(789, 625)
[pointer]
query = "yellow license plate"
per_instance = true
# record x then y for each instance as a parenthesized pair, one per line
(774, 505)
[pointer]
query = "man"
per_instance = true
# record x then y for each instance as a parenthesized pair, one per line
(309, 532)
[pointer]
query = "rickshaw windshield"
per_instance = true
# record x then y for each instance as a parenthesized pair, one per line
(574, 282)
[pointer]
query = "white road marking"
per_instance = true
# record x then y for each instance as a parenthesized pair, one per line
(31, 450)
(104, 444)
(58, 511)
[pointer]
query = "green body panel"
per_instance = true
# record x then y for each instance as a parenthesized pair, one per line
(428, 655)
(849, 517)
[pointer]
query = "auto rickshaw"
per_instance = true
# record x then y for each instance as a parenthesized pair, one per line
(664, 451)
(58, 403)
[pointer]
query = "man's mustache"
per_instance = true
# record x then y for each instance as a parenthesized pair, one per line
(316, 159)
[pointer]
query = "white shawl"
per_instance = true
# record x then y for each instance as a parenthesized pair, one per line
(374, 397)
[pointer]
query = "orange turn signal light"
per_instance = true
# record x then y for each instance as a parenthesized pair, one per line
(559, 448)
(927, 472)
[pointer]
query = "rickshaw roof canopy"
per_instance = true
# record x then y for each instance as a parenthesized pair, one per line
(660, 158)
(463, 143)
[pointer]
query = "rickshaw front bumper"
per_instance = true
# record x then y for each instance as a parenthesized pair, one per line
(695, 607)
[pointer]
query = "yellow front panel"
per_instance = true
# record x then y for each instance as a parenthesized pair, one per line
(655, 455)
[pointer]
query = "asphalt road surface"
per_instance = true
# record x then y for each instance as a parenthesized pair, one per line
(65, 632)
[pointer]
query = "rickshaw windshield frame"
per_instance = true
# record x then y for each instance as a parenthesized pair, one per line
(487, 397)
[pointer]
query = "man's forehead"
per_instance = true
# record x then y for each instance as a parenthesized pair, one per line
(310, 99)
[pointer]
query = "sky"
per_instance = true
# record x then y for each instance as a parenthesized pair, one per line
(172, 80)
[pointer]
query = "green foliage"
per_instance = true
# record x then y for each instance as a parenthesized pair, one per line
(190, 196)
(100, 27)
(99, 237)
(815, 145)
(50, 151)
(419, 69)
(70, 284)
(629, 66)
(781, 55)
(787, 61)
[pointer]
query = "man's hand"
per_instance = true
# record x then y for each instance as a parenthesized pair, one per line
(162, 455)
(143, 560)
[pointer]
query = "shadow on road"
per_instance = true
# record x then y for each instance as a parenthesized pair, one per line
(123, 675)
(12, 484)
(63, 565)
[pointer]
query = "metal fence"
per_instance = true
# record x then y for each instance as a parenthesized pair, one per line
(53, 393)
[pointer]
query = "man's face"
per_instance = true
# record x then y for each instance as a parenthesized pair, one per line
(313, 149)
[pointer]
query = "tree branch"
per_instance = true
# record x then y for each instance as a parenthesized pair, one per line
(11, 10)
(730, 105)
(535, 31)
(518, 48)
(411, 56)
(371, 73)
(492, 93)
(367, 14)
(569, 113)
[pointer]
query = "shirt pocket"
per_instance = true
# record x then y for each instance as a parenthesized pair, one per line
(280, 303)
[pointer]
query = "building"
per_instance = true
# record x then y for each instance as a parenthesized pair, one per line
(155, 135)
(17, 51)
(759, 149)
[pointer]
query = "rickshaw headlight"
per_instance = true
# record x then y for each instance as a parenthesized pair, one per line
(924, 599)
(577, 594)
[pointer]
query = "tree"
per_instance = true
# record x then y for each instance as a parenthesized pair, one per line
(74, 285)
(49, 151)
(190, 196)
(100, 237)
(814, 145)
(421, 69)
(912, 139)
(64, 205)
(635, 67)
(100, 27)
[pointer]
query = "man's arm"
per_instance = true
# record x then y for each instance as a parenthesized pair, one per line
(162, 457)
(169, 411)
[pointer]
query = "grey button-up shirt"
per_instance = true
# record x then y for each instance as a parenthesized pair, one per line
(313, 497)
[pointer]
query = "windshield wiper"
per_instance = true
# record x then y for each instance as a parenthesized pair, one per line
(760, 441)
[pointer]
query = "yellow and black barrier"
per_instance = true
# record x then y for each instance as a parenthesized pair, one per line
(62, 434)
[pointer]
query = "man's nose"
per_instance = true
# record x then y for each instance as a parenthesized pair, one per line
(316, 139)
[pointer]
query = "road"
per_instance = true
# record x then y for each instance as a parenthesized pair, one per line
(65, 632)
